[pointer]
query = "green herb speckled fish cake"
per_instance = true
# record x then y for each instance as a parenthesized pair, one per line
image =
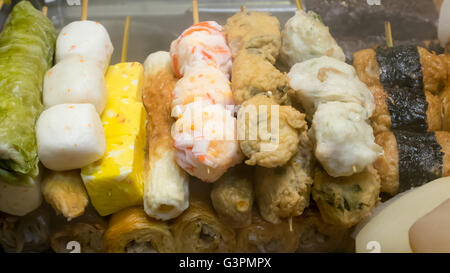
(27, 44)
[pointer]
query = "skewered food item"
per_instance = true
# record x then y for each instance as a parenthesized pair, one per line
(344, 140)
(284, 191)
(232, 197)
(87, 230)
(203, 42)
(26, 53)
(339, 105)
(205, 83)
(115, 181)
(29, 233)
(345, 201)
(204, 136)
(326, 79)
(319, 236)
(69, 136)
(22, 197)
(65, 192)
(264, 237)
(430, 233)
(252, 74)
(132, 231)
(255, 32)
(391, 227)
(166, 187)
(198, 230)
(267, 148)
(412, 159)
(444, 25)
(404, 81)
(205, 141)
(305, 37)
(87, 39)
(75, 80)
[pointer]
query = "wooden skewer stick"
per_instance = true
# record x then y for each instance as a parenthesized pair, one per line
(243, 9)
(299, 4)
(84, 10)
(388, 33)
(44, 10)
(195, 11)
(354, 169)
(125, 40)
(290, 224)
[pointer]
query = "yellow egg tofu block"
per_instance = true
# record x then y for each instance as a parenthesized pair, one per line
(125, 80)
(123, 117)
(115, 181)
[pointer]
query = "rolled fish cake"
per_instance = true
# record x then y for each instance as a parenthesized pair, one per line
(202, 42)
(255, 32)
(87, 39)
(199, 230)
(69, 136)
(133, 231)
(412, 159)
(75, 80)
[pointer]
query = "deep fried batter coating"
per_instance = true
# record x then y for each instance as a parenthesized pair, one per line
(252, 74)
(232, 197)
(257, 32)
(265, 146)
(284, 192)
(445, 96)
(345, 201)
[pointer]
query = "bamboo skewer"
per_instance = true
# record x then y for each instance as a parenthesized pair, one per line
(243, 9)
(84, 10)
(195, 11)
(125, 40)
(388, 34)
(299, 4)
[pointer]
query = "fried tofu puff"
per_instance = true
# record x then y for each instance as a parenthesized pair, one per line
(232, 197)
(305, 37)
(252, 74)
(269, 134)
(345, 201)
(284, 192)
(256, 32)
(203, 42)
(445, 97)
(434, 69)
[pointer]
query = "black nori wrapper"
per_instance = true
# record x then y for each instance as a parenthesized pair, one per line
(419, 158)
(401, 76)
